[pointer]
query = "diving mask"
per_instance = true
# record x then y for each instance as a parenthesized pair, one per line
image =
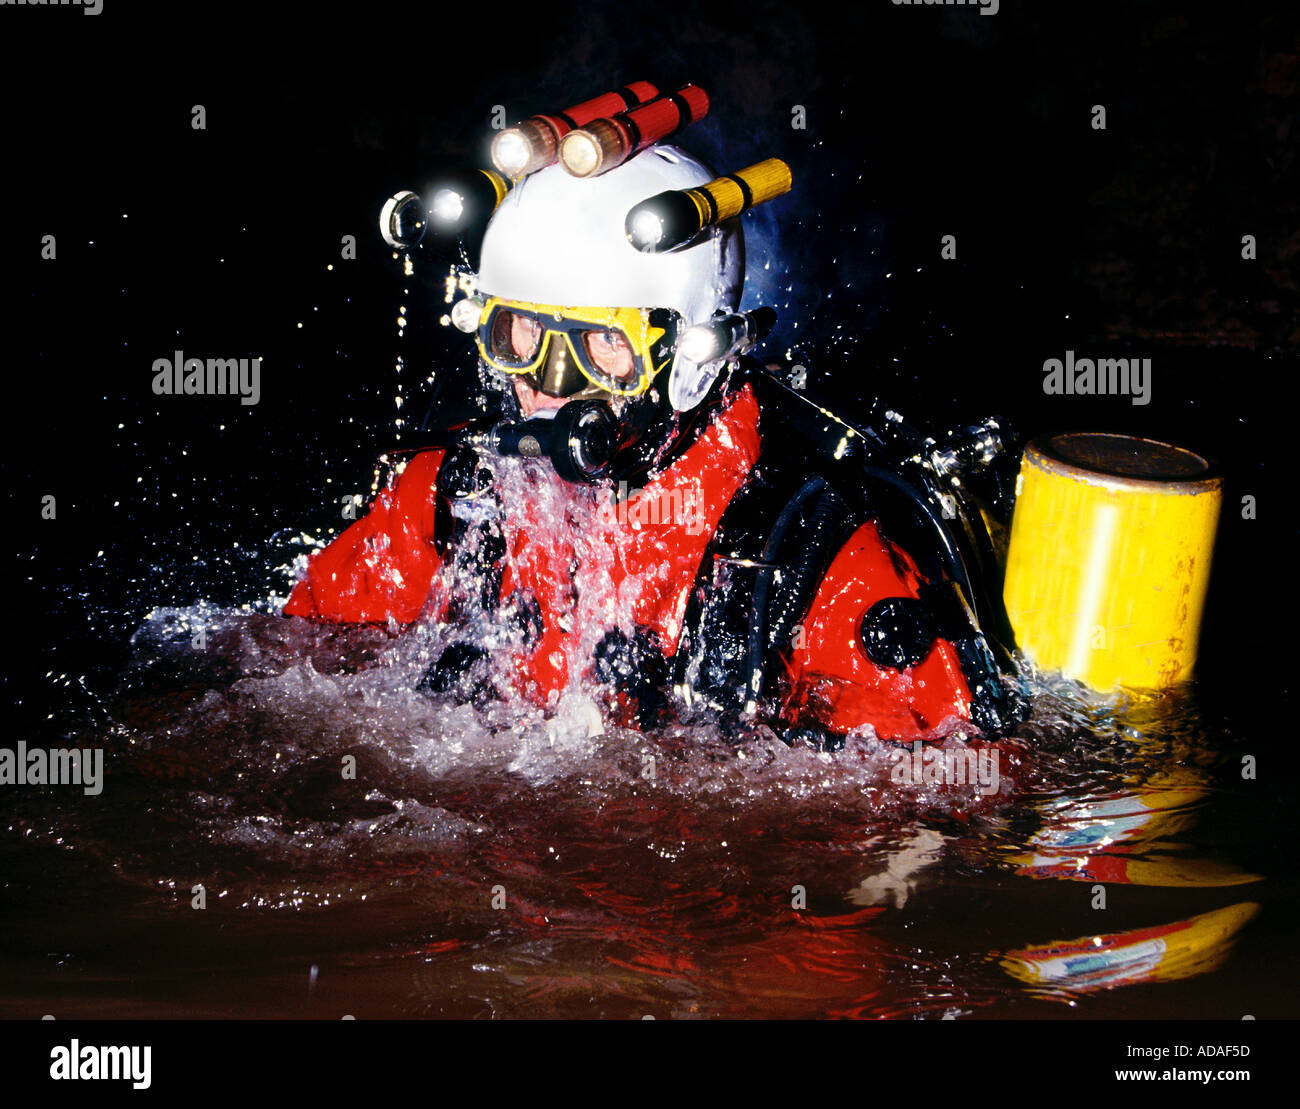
(567, 352)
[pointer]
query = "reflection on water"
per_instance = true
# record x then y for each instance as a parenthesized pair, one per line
(1162, 953)
(496, 861)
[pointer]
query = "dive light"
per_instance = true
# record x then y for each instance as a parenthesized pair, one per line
(669, 219)
(611, 140)
(535, 143)
(725, 337)
(705, 348)
(456, 201)
(466, 313)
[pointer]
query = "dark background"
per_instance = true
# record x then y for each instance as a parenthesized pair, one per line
(921, 122)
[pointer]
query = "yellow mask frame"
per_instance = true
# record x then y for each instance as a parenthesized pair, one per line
(578, 327)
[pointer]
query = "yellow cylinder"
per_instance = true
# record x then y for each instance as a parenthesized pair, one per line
(1109, 558)
(734, 193)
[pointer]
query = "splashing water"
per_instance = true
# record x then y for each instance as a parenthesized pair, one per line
(421, 856)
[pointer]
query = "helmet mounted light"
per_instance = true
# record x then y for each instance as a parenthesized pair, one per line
(703, 350)
(535, 143)
(608, 142)
(674, 218)
(457, 201)
(465, 314)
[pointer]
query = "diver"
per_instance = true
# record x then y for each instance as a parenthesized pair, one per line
(698, 534)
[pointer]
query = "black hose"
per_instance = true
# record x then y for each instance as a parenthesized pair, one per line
(765, 631)
(792, 603)
(948, 551)
(758, 612)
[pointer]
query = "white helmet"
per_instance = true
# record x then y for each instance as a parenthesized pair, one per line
(560, 240)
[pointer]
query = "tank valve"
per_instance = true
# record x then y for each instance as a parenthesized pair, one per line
(967, 449)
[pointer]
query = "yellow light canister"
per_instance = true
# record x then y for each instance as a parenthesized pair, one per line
(1109, 558)
(669, 219)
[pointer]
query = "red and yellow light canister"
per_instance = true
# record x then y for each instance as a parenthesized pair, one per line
(1109, 558)
(608, 142)
(535, 143)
